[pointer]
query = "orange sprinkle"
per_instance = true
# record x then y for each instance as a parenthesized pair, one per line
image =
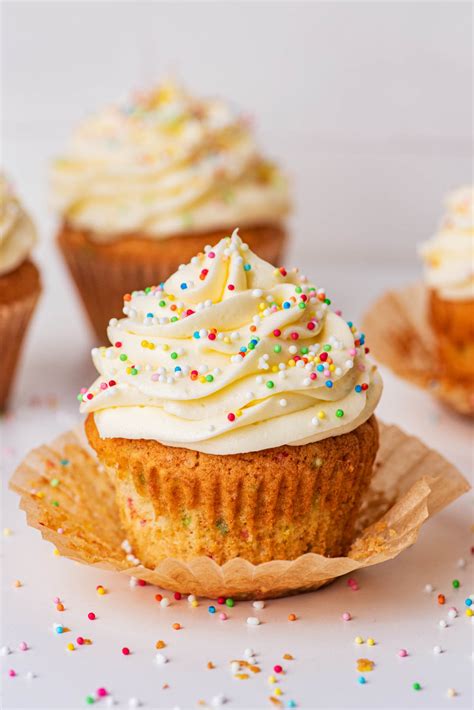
(177, 626)
(242, 676)
(127, 297)
(164, 686)
(210, 665)
(160, 644)
(288, 657)
(275, 701)
(158, 597)
(60, 607)
(441, 599)
(364, 665)
(292, 617)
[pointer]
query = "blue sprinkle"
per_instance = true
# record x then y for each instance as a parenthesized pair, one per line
(350, 323)
(211, 609)
(254, 341)
(287, 304)
(150, 315)
(184, 286)
(243, 349)
(320, 368)
(247, 267)
(358, 388)
(468, 602)
(362, 680)
(64, 462)
(196, 335)
(177, 368)
(329, 384)
(59, 629)
(291, 704)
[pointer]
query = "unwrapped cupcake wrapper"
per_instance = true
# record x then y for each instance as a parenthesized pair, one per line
(14, 320)
(103, 280)
(401, 338)
(77, 513)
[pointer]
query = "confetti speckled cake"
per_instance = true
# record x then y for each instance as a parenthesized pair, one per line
(449, 272)
(19, 283)
(146, 185)
(234, 412)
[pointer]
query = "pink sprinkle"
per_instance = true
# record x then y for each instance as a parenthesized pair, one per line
(23, 646)
(12, 673)
(278, 669)
(60, 532)
(57, 600)
(103, 385)
(91, 615)
(313, 376)
(352, 351)
(346, 616)
(80, 640)
(211, 255)
(223, 616)
(83, 390)
(403, 653)
(101, 693)
(155, 377)
(338, 312)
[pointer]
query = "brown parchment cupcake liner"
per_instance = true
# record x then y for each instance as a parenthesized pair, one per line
(103, 273)
(264, 505)
(401, 338)
(14, 321)
(410, 484)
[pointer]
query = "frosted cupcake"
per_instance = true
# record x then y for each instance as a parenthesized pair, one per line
(145, 186)
(234, 412)
(449, 272)
(19, 283)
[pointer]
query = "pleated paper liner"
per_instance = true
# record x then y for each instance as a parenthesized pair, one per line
(69, 497)
(400, 337)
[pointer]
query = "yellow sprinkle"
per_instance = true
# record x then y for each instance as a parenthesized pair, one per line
(144, 343)
(56, 552)
(242, 676)
(7, 532)
(359, 640)
(169, 296)
(291, 363)
(331, 368)
(70, 647)
(226, 340)
(239, 413)
(370, 642)
(101, 590)
(278, 691)
(195, 603)
(165, 347)
(469, 612)
(274, 368)
(261, 306)
(321, 415)
(40, 494)
(272, 679)
(202, 378)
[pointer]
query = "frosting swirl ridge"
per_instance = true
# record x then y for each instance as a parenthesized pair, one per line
(17, 231)
(231, 355)
(166, 163)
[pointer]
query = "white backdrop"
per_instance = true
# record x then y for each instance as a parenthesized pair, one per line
(367, 104)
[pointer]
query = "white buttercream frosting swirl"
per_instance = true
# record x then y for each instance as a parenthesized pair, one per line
(231, 355)
(17, 231)
(166, 163)
(449, 255)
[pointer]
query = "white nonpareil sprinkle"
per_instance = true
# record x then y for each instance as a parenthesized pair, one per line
(259, 604)
(283, 402)
(165, 601)
(191, 598)
(161, 659)
(315, 421)
(218, 700)
(461, 563)
(437, 650)
(443, 624)
(133, 703)
(452, 613)
(30, 675)
(429, 588)
(235, 667)
(249, 652)
(257, 292)
(253, 621)
(451, 693)
(5, 651)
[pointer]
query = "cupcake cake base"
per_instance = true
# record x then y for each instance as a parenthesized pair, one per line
(104, 272)
(410, 484)
(453, 327)
(19, 293)
(265, 505)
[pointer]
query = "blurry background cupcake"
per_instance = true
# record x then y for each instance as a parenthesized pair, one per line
(19, 282)
(449, 274)
(146, 185)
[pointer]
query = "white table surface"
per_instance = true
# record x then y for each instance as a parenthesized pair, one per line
(391, 605)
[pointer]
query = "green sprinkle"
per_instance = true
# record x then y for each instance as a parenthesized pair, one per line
(270, 384)
(277, 348)
(416, 686)
(64, 462)
(55, 503)
(301, 304)
(298, 289)
(79, 397)
(339, 413)
(251, 346)
(304, 351)
(162, 304)
(456, 583)
(148, 289)
(327, 301)
(54, 482)
(174, 356)
(134, 371)
(90, 700)
(229, 602)
(174, 319)
(327, 348)
(222, 526)
(123, 357)
(209, 378)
